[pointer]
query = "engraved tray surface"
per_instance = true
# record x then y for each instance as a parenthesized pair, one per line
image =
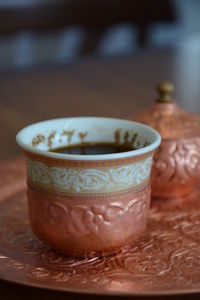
(166, 260)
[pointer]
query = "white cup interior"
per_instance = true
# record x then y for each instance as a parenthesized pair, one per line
(47, 135)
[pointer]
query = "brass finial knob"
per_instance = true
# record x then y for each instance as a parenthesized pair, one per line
(165, 90)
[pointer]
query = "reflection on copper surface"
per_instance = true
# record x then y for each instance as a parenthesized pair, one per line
(166, 259)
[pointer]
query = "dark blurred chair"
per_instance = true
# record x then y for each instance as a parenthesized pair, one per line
(95, 16)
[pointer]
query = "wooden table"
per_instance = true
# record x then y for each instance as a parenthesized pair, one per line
(105, 87)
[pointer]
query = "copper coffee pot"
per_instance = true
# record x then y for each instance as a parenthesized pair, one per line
(176, 168)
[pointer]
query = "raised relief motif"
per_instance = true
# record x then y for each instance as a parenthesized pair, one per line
(177, 161)
(89, 180)
(78, 220)
(166, 259)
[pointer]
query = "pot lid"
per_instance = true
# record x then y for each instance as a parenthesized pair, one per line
(171, 121)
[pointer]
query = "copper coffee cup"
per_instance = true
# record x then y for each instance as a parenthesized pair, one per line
(88, 205)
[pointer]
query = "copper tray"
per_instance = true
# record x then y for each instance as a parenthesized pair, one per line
(166, 260)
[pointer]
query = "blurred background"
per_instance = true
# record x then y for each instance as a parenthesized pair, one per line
(43, 33)
(61, 58)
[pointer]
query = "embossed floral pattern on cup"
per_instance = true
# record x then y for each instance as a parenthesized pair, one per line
(88, 205)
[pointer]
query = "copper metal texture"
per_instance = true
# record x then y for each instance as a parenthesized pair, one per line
(90, 205)
(176, 166)
(166, 260)
(105, 222)
(90, 222)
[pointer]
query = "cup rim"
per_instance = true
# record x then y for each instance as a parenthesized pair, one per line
(55, 155)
